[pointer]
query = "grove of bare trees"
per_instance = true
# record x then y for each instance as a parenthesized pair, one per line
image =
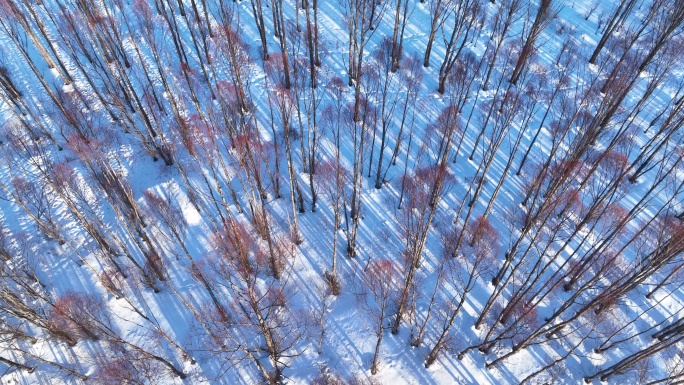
(298, 191)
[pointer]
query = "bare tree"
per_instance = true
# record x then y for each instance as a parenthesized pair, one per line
(258, 307)
(359, 15)
(476, 253)
(428, 187)
(332, 177)
(378, 299)
(546, 12)
(440, 10)
(510, 11)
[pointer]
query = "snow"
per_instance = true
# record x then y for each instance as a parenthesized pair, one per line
(350, 339)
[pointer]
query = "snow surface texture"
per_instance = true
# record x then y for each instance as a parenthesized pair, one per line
(157, 193)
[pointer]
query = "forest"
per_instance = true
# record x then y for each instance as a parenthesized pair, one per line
(341, 192)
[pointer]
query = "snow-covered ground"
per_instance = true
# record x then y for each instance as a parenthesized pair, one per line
(136, 325)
